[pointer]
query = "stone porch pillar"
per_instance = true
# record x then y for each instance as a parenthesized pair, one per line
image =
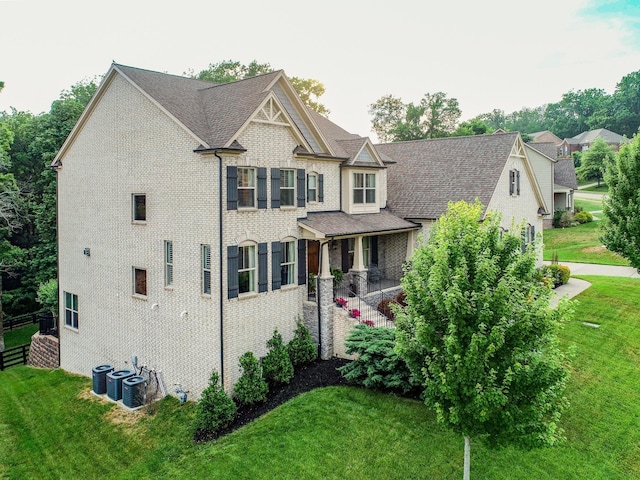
(325, 304)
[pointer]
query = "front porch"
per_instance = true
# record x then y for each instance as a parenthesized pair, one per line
(358, 258)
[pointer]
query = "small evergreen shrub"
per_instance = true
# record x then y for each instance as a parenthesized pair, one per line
(583, 217)
(555, 274)
(377, 364)
(215, 410)
(301, 348)
(277, 366)
(251, 387)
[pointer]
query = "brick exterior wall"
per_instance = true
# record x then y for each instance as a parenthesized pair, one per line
(129, 146)
(44, 351)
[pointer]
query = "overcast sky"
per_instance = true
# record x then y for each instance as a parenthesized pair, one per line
(488, 54)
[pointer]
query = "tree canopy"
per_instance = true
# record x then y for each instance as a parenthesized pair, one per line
(434, 116)
(621, 230)
(226, 71)
(593, 161)
(479, 333)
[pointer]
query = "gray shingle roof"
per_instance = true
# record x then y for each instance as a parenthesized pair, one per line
(589, 137)
(564, 173)
(214, 112)
(546, 148)
(430, 173)
(336, 224)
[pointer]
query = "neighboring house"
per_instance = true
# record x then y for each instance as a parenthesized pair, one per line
(582, 141)
(191, 216)
(546, 136)
(495, 169)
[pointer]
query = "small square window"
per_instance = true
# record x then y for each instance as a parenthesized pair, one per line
(139, 202)
(139, 281)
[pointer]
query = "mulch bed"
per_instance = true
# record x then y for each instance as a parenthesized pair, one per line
(321, 373)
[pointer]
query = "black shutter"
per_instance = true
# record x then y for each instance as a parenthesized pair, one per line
(263, 282)
(276, 277)
(275, 188)
(302, 192)
(511, 174)
(232, 187)
(262, 187)
(533, 233)
(345, 255)
(302, 262)
(518, 181)
(232, 271)
(374, 250)
(321, 188)
(524, 240)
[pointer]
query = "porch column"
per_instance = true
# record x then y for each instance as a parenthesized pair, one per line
(325, 269)
(325, 304)
(360, 278)
(358, 259)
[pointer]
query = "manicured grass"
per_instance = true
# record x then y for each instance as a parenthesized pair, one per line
(19, 336)
(589, 205)
(51, 427)
(579, 244)
(603, 188)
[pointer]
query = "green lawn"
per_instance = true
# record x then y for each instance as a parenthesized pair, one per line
(589, 205)
(51, 426)
(579, 244)
(20, 336)
(603, 188)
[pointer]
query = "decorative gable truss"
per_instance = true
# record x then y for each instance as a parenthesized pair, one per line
(518, 151)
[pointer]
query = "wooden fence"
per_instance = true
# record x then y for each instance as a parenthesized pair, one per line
(14, 356)
(12, 323)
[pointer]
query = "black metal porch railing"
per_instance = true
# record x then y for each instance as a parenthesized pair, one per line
(367, 306)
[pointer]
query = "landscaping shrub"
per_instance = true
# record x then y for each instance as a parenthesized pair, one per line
(562, 219)
(564, 273)
(251, 387)
(277, 366)
(401, 298)
(377, 365)
(384, 307)
(301, 348)
(555, 273)
(215, 410)
(583, 217)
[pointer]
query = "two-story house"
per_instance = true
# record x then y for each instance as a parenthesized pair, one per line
(191, 215)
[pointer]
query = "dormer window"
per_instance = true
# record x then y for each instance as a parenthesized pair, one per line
(364, 188)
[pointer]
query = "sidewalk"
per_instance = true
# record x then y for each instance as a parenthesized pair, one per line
(577, 285)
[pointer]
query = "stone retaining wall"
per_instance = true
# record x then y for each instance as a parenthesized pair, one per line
(44, 351)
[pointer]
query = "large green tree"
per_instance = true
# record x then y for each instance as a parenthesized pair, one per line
(480, 335)
(594, 160)
(226, 71)
(621, 230)
(625, 107)
(435, 116)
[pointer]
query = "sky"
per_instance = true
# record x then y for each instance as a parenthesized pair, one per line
(490, 54)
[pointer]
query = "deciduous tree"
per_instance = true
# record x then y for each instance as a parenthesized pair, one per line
(226, 71)
(621, 230)
(479, 333)
(594, 161)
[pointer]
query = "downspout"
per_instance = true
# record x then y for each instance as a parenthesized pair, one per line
(55, 169)
(220, 276)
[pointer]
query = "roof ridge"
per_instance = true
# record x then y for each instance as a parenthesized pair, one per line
(448, 138)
